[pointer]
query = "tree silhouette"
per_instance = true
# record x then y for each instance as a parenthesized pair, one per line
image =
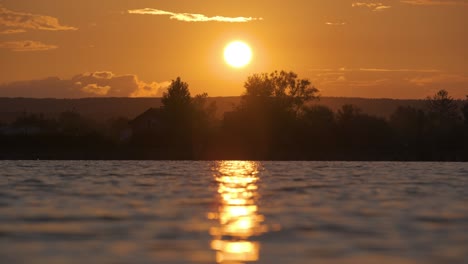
(361, 132)
(188, 121)
(203, 120)
(319, 116)
(410, 128)
(465, 111)
(283, 88)
(177, 98)
(72, 123)
(445, 124)
(116, 126)
(266, 121)
(272, 121)
(347, 113)
(317, 130)
(200, 106)
(176, 106)
(36, 121)
(408, 121)
(442, 107)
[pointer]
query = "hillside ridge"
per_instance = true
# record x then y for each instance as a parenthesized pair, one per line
(105, 108)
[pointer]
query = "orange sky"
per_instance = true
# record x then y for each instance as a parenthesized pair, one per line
(85, 48)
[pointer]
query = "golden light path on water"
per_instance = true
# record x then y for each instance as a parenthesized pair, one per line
(237, 215)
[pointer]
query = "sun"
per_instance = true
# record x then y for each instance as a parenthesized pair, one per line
(238, 54)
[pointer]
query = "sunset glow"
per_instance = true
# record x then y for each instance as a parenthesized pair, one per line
(233, 132)
(370, 49)
(237, 54)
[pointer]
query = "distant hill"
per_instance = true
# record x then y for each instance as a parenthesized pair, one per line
(376, 107)
(101, 109)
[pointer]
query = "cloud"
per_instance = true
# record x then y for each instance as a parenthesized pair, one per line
(335, 23)
(372, 6)
(150, 89)
(12, 31)
(26, 45)
(105, 83)
(381, 8)
(190, 17)
(397, 70)
(359, 83)
(341, 78)
(343, 69)
(388, 83)
(436, 2)
(95, 84)
(439, 79)
(102, 75)
(95, 89)
(15, 22)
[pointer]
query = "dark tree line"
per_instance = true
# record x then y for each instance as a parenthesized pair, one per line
(274, 120)
(185, 124)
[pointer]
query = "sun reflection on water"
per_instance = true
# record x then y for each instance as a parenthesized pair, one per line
(237, 215)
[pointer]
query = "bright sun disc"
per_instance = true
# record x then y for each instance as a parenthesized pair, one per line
(237, 54)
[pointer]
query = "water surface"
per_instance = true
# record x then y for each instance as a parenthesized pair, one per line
(233, 212)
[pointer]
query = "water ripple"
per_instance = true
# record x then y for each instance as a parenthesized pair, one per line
(208, 212)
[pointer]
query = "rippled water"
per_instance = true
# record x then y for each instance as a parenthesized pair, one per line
(233, 212)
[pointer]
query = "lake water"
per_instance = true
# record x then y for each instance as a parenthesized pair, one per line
(233, 212)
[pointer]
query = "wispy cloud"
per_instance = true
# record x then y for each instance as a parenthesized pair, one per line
(190, 17)
(388, 82)
(26, 45)
(372, 6)
(436, 2)
(439, 79)
(335, 23)
(16, 22)
(398, 70)
(12, 31)
(343, 69)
